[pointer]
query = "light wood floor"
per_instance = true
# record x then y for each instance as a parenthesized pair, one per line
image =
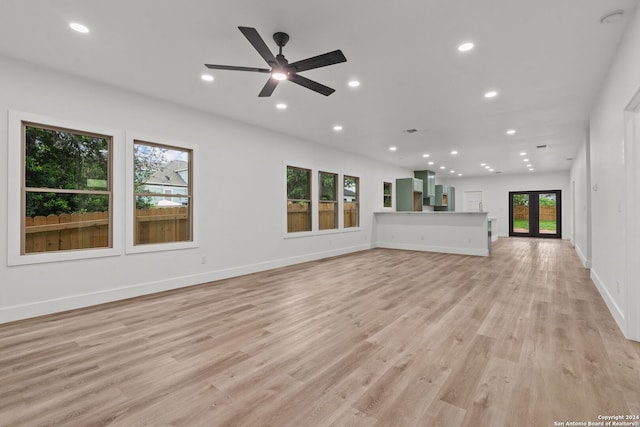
(376, 338)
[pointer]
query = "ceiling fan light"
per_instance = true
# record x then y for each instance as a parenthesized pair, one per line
(278, 75)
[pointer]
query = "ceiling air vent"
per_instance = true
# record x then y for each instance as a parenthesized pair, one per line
(541, 146)
(499, 172)
(410, 130)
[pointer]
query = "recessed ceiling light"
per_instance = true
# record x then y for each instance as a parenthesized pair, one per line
(426, 155)
(79, 27)
(354, 83)
(393, 148)
(442, 167)
(459, 174)
(523, 154)
(529, 165)
(281, 106)
(491, 170)
(207, 77)
(483, 164)
(454, 152)
(491, 94)
(511, 132)
(452, 171)
(430, 163)
(531, 169)
(337, 128)
(525, 160)
(487, 167)
(465, 47)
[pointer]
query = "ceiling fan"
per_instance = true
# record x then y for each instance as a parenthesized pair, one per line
(281, 69)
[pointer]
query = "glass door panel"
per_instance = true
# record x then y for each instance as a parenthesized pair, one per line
(520, 208)
(547, 214)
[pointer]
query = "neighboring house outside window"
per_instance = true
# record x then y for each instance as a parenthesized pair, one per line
(163, 193)
(351, 205)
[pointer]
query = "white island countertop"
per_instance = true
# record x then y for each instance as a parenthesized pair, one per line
(431, 212)
(464, 233)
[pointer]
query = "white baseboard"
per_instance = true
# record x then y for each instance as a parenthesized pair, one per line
(427, 248)
(40, 308)
(585, 262)
(616, 312)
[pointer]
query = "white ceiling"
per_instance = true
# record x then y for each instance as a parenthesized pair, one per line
(546, 58)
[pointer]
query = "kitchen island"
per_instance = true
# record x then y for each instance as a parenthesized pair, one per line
(465, 233)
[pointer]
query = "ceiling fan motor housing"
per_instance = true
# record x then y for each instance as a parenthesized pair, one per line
(281, 39)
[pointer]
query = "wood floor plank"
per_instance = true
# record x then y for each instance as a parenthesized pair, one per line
(375, 338)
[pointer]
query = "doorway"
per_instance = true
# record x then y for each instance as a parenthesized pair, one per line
(535, 214)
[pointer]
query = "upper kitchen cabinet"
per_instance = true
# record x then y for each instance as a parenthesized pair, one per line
(409, 194)
(428, 186)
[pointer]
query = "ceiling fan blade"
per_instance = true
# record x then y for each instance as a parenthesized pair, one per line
(256, 41)
(323, 60)
(268, 88)
(310, 84)
(234, 68)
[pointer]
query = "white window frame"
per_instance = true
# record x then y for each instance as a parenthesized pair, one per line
(358, 193)
(338, 205)
(132, 248)
(393, 189)
(315, 196)
(15, 180)
(314, 200)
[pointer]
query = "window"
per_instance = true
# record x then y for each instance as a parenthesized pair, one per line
(66, 189)
(163, 193)
(386, 194)
(298, 199)
(328, 201)
(351, 201)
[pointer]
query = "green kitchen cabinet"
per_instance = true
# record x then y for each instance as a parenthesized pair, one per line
(428, 186)
(445, 199)
(409, 194)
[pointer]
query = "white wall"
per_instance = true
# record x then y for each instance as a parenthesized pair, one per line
(242, 196)
(495, 194)
(609, 180)
(580, 179)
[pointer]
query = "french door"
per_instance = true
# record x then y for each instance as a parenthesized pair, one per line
(535, 213)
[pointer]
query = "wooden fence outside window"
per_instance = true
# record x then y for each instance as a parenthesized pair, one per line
(298, 216)
(547, 213)
(91, 230)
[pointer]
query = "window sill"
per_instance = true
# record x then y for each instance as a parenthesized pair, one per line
(321, 232)
(59, 256)
(159, 247)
